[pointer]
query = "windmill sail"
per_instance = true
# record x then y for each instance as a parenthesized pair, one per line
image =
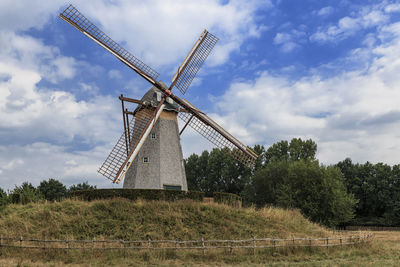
(120, 158)
(80, 22)
(216, 134)
(193, 61)
(118, 162)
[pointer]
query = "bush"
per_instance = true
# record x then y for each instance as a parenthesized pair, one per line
(81, 186)
(317, 191)
(25, 193)
(227, 198)
(133, 194)
(3, 199)
(52, 190)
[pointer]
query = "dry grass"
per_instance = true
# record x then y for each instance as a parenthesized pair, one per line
(128, 220)
(124, 219)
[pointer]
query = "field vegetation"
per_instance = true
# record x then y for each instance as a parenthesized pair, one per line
(184, 220)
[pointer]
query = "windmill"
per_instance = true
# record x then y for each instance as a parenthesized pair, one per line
(158, 163)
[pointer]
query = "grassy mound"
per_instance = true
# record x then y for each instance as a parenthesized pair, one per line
(130, 220)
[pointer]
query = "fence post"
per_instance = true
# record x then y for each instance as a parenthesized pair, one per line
(340, 239)
(148, 243)
(203, 245)
(293, 242)
(230, 247)
(274, 243)
(1, 240)
(327, 242)
(20, 242)
(67, 243)
(310, 243)
(254, 245)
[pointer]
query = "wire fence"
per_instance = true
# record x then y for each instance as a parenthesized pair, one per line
(202, 244)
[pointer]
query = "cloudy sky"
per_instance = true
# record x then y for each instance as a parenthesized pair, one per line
(326, 70)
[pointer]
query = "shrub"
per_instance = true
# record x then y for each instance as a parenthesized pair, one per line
(25, 193)
(133, 194)
(52, 190)
(3, 199)
(228, 199)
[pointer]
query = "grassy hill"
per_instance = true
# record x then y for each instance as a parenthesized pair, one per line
(128, 220)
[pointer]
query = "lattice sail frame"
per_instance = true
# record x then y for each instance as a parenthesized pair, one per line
(80, 22)
(193, 61)
(217, 135)
(115, 162)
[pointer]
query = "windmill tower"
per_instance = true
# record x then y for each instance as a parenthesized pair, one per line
(159, 163)
(148, 154)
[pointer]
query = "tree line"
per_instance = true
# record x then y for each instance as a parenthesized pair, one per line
(51, 190)
(287, 174)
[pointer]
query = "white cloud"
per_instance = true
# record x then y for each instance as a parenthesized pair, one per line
(20, 15)
(353, 114)
(43, 130)
(392, 8)
(366, 17)
(115, 74)
(38, 161)
(325, 11)
(162, 32)
(289, 40)
(32, 54)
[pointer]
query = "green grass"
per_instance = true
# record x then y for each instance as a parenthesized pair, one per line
(128, 220)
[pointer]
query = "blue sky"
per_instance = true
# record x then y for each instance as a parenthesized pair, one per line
(326, 70)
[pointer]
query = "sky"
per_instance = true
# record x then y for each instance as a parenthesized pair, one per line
(282, 69)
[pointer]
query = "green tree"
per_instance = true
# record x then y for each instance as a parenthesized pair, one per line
(377, 188)
(297, 149)
(216, 171)
(52, 190)
(25, 193)
(261, 159)
(4, 200)
(316, 190)
(81, 186)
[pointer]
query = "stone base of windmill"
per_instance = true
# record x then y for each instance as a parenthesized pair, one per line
(159, 164)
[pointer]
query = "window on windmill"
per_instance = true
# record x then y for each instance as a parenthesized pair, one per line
(145, 160)
(153, 136)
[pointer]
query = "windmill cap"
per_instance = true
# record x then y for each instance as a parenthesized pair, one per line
(153, 96)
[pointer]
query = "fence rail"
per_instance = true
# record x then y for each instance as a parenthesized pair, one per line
(252, 243)
(371, 228)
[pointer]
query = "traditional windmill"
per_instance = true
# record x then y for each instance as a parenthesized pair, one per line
(150, 143)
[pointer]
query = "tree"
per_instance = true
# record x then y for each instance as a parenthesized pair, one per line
(316, 190)
(216, 171)
(25, 193)
(52, 190)
(377, 188)
(81, 186)
(4, 200)
(297, 149)
(261, 159)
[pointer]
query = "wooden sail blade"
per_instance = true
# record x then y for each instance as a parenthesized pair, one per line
(118, 161)
(193, 61)
(80, 22)
(216, 134)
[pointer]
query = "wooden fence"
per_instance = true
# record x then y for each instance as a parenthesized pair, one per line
(371, 228)
(253, 243)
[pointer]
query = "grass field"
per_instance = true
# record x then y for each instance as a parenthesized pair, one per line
(135, 220)
(383, 251)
